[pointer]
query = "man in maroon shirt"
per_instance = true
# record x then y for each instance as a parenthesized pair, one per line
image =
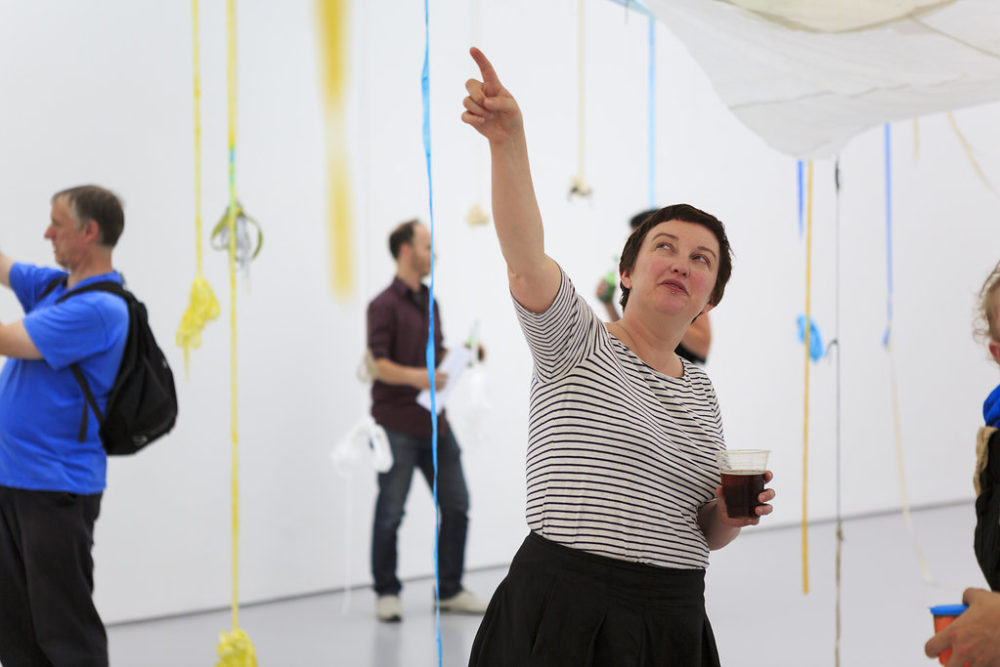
(397, 339)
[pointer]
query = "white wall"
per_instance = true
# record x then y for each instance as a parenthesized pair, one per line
(100, 92)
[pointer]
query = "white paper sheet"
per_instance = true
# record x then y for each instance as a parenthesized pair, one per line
(454, 364)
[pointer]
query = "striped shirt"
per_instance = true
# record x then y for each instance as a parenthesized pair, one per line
(620, 456)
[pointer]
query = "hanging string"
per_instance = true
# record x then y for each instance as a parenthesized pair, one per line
(431, 353)
(836, 341)
(235, 648)
(798, 167)
(805, 416)
(969, 153)
(335, 32)
(202, 304)
(477, 214)
(887, 344)
(578, 185)
(916, 139)
(652, 112)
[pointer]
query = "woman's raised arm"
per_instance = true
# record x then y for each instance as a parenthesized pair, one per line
(534, 277)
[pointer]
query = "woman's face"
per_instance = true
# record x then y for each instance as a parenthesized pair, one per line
(675, 269)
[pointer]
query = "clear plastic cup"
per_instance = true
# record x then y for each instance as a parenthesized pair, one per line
(742, 479)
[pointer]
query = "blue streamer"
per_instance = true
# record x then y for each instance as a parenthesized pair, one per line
(652, 112)
(888, 232)
(816, 348)
(802, 199)
(431, 355)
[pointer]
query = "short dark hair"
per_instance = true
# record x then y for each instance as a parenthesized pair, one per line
(684, 213)
(401, 235)
(92, 202)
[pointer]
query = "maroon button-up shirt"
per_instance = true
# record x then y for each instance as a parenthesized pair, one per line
(397, 331)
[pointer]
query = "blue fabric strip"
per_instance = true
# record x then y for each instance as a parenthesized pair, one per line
(652, 112)
(425, 85)
(888, 232)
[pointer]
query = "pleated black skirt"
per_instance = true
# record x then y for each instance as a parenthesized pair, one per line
(561, 607)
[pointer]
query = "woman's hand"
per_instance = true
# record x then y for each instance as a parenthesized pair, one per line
(489, 108)
(763, 509)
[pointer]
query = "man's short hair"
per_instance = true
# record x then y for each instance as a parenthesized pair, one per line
(92, 202)
(401, 235)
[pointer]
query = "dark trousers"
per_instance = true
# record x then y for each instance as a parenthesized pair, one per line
(47, 614)
(410, 452)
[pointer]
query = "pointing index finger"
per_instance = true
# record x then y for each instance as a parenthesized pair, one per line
(490, 77)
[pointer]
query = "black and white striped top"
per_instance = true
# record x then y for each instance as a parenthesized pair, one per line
(620, 456)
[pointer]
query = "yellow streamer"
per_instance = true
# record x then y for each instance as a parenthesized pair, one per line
(805, 415)
(235, 649)
(334, 39)
(578, 185)
(202, 304)
(969, 154)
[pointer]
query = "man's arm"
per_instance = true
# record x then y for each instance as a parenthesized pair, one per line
(15, 342)
(5, 264)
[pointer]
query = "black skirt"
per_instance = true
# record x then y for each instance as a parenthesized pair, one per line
(562, 607)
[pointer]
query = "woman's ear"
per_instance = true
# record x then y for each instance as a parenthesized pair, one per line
(626, 279)
(995, 349)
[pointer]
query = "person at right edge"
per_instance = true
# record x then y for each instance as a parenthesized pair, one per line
(623, 482)
(974, 637)
(697, 340)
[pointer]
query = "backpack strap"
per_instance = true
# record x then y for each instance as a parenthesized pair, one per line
(54, 283)
(90, 400)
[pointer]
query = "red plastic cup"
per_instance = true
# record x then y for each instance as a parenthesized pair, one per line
(943, 616)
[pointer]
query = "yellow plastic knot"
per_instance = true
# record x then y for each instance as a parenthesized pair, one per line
(202, 307)
(477, 216)
(235, 650)
(579, 188)
(249, 236)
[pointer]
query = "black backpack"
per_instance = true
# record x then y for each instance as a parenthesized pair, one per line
(142, 404)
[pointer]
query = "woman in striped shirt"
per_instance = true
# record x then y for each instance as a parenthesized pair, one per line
(622, 479)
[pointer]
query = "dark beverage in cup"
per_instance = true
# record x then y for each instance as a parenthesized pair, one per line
(740, 489)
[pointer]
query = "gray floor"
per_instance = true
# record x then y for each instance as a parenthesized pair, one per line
(754, 592)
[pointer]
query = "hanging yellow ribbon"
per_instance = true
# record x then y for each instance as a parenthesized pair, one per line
(334, 39)
(578, 184)
(202, 304)
(235, 649)
(805, 415)
(969, 153)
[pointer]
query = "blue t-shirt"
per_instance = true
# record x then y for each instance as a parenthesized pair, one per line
(41, 403)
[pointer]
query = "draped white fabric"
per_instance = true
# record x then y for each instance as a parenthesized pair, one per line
(806, 90)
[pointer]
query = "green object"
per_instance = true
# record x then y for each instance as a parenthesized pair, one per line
(611, 280)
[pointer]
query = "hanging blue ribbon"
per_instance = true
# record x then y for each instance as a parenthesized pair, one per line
(431, 355)
(802, 198)
(816, 348)
(652, 112)
(888, 232)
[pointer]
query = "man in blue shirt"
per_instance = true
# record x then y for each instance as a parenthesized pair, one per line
(52, 463)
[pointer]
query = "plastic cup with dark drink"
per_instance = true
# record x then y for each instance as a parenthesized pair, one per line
(742, 480)
(944, 614)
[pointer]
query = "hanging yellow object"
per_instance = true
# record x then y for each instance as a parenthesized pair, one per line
(334, 33)
(235, 650)
(202, 305)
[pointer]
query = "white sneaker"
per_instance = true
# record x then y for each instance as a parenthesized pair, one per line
(388, 609)
(465, 602)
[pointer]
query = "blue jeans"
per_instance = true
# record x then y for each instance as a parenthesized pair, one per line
(409, 452)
